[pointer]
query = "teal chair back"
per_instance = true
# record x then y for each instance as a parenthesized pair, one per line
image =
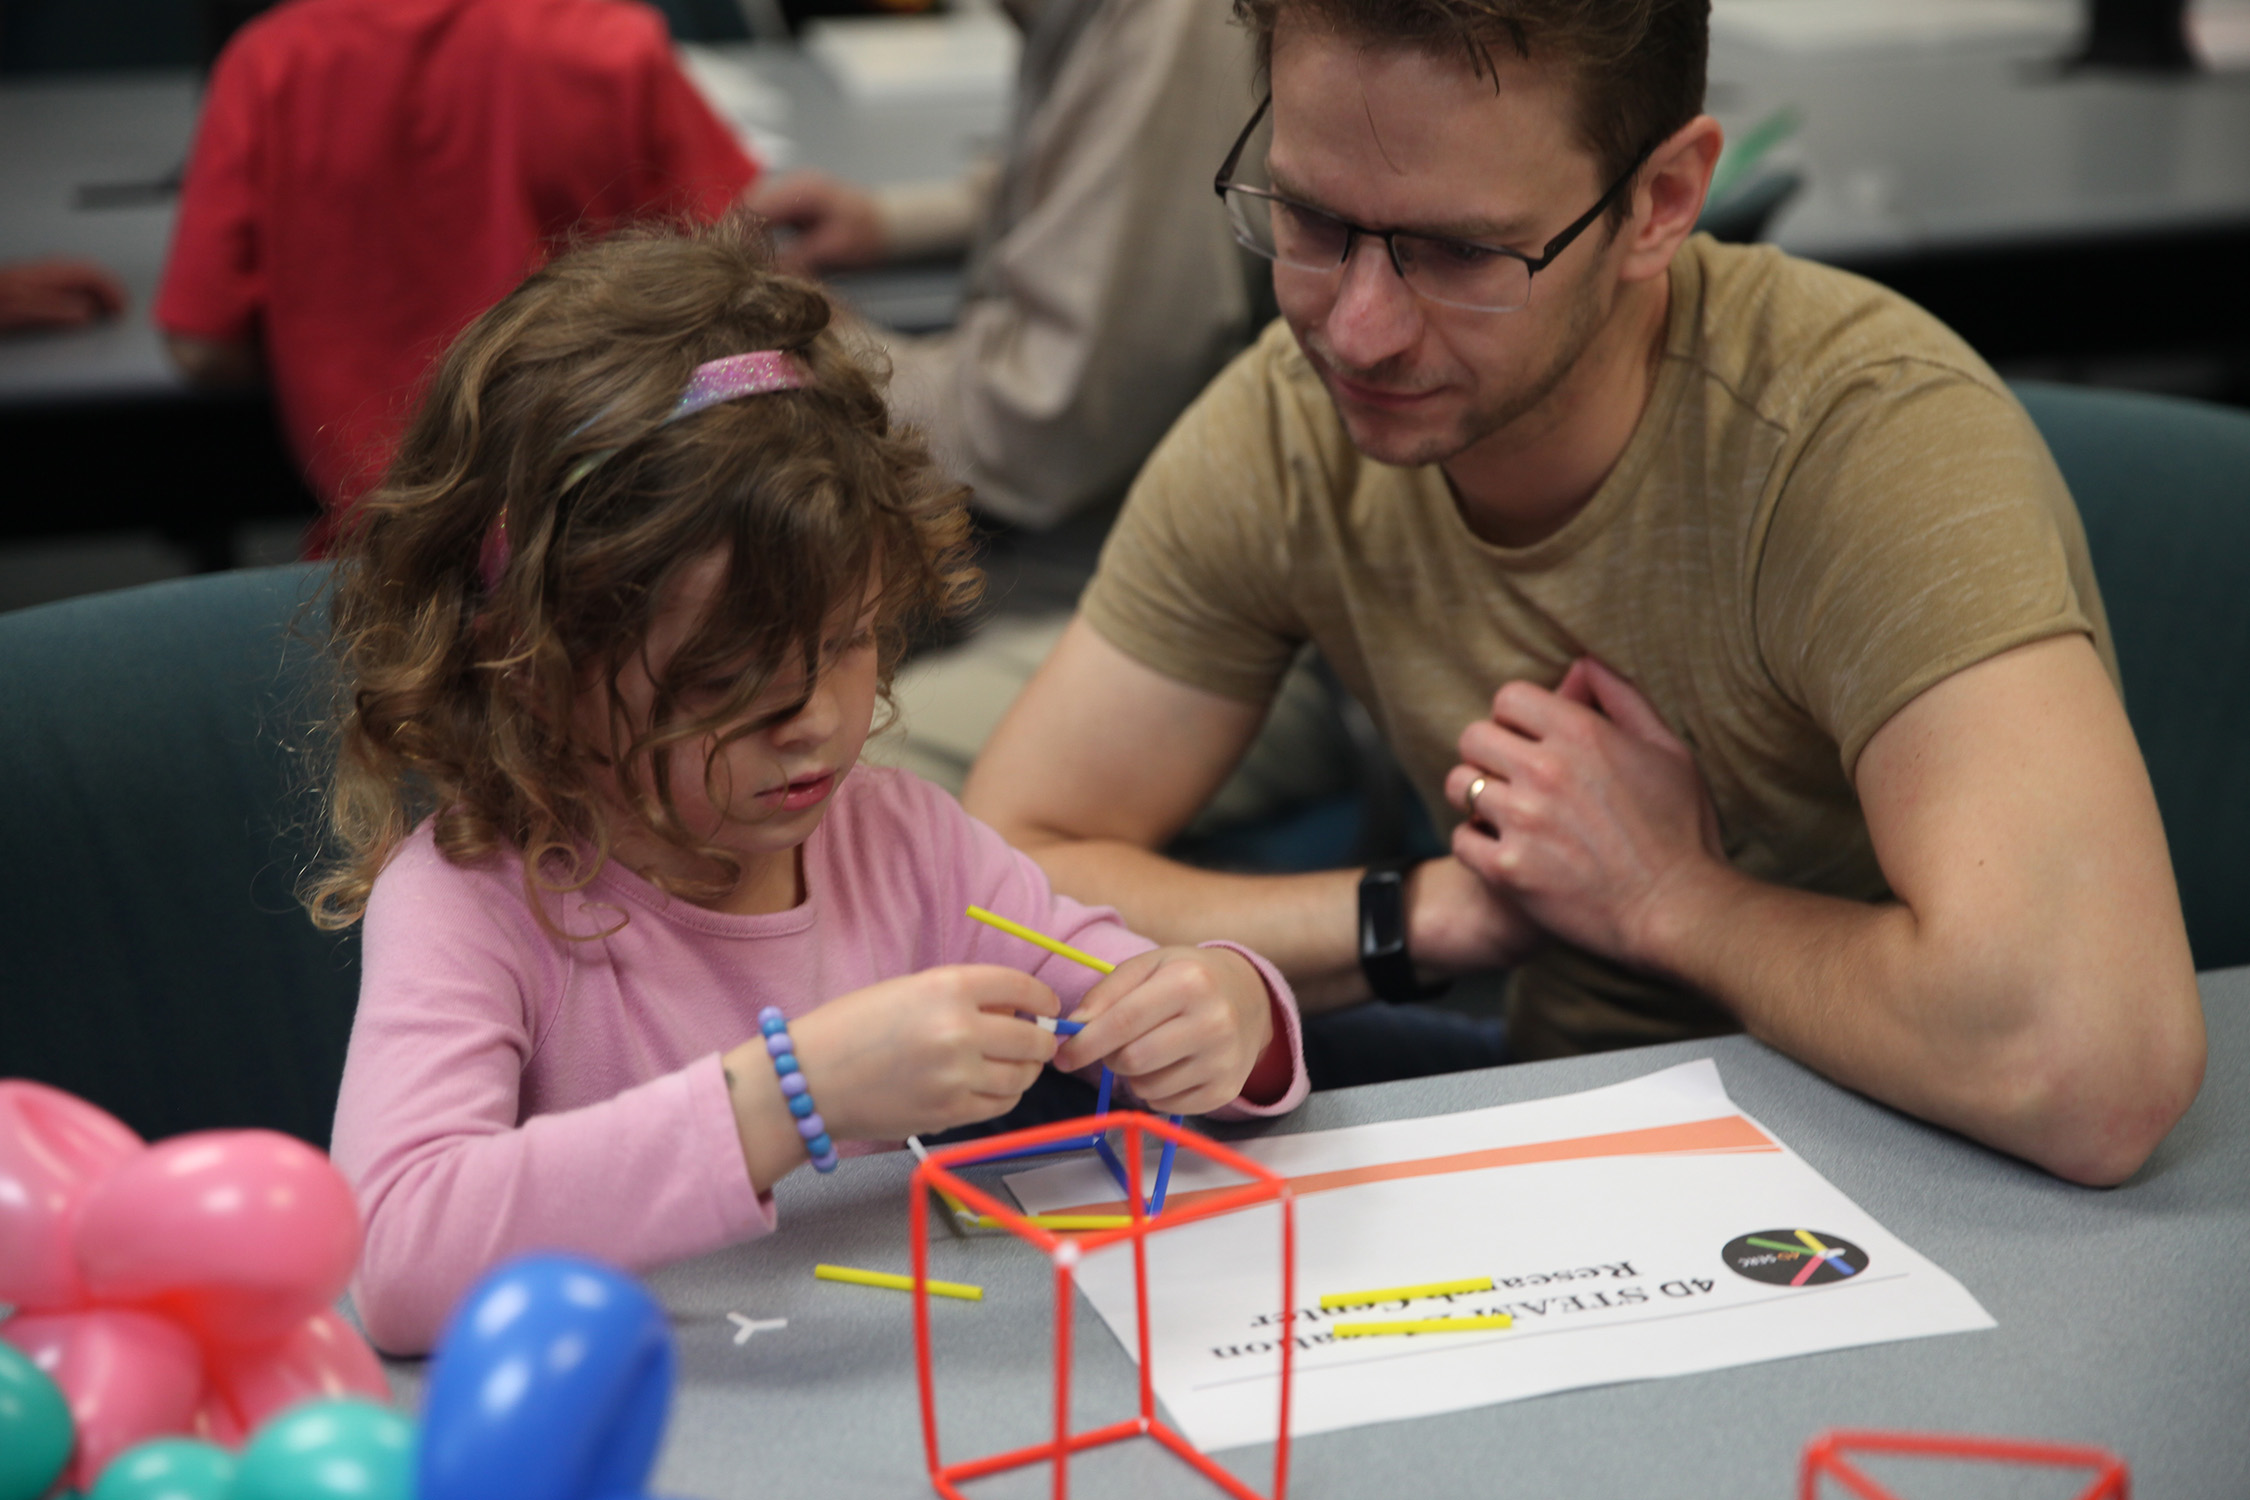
(2164, 486)
(156, 806)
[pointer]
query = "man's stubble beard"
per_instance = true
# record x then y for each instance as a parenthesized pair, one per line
(1500, 412)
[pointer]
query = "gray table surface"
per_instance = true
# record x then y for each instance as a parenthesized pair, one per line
(1918, 147)
(2119, 1324)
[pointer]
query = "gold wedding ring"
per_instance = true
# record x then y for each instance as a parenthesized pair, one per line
(1476, 790)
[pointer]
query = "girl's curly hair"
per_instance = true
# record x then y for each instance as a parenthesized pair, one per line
(459, 701)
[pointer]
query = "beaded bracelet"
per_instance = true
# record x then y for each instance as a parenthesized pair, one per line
(795, 1091)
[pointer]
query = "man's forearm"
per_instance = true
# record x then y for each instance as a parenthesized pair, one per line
(2018, 1044)
(1305, 925)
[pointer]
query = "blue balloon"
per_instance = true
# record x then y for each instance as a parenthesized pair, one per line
(551, 1382)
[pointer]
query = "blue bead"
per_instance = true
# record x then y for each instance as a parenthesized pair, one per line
(812, 1125)
(785, 1063)
(800, 1105)
(820, 1145)
(793, 1084)
(772, 1023)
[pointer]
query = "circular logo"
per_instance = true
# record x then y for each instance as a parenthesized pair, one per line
(1794, 1257)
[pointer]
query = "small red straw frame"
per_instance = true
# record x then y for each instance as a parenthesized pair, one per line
(1065, 1251)
(1827, 1455)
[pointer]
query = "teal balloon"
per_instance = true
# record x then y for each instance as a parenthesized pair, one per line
(329, 1450)
(168, 1469)
(35, 1431)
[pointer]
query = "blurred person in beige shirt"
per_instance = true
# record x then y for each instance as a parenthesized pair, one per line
(1104, 289)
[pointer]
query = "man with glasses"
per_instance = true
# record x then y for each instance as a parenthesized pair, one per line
(1727, 607)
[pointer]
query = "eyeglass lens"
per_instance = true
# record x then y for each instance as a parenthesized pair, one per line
(1442, 270)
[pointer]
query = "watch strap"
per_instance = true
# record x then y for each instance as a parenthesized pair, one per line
(1383, 956)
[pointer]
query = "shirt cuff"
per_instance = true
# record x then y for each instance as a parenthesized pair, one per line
(1284, 1004)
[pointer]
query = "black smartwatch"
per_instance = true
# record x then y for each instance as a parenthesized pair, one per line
(1382, 935)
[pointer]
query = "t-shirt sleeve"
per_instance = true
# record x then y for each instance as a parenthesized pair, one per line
(697, 164)
(1920, 529)
(214, 279)
(427, 1131)
(1194, 580)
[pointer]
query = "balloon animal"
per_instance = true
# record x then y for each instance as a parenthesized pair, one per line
(186, 1288)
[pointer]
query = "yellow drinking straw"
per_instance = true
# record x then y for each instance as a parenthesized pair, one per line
(1418, 1325)
(1405, 1293)
(1017, 929)
(1056, 1221)
(889, 1282)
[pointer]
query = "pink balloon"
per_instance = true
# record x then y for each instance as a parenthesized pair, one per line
(241, 1235)
(129, 1377)
(323, 1359)
(215, 1422)
(54, 1147)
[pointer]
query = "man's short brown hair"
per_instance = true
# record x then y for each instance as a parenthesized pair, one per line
(1638, 65)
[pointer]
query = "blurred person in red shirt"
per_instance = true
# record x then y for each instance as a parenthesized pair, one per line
(369, 175)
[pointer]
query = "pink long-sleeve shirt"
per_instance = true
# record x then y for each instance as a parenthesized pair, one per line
(509, 1089)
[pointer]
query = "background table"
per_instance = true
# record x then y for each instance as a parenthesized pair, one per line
(2062, 217)
(124, 136)
(1914, 153)
(2121, 1322)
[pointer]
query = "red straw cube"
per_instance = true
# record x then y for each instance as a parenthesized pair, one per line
(1829, 1455)
(1265, 1186)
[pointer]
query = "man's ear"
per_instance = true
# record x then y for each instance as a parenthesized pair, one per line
(1668, 197)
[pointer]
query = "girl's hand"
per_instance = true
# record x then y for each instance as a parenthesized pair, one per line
(920, 1053)
(1183, 1026)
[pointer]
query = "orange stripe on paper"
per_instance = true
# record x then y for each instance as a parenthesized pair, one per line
(1722, 1134)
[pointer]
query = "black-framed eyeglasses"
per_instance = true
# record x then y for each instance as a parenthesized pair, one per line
(1439, 268)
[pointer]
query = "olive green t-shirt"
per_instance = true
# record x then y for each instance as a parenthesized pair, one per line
(1829, 505)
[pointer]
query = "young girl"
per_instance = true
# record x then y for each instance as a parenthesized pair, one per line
(613, 633)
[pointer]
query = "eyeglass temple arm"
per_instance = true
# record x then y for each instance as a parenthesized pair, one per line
(1224, 176)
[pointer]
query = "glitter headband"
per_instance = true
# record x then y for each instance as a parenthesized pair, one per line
(714, 381)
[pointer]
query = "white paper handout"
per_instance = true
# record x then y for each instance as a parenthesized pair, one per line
(1649, 1228)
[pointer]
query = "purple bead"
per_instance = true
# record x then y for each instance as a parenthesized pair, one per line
(812, 1125)
(777, 1043)
(794, 1084)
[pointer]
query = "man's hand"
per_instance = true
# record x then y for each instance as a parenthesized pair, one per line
(837, 225)
(1591, 812)
(1184, 1027)
(57, 294)
(2028, 984)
